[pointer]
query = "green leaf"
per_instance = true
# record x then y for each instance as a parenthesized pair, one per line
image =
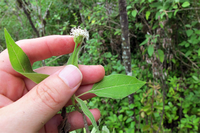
(142, 9)
(188, 53)
(198, 52)
(197, 32)
(155, 127)
(188, 25)
(161, 55)
(144, 42)
(195, 78)
(146, 127)
(150, 50)
(116, 86)
(128, 7)
(105, 129)
(189, 32)
(186, 4)
(147, 15)
(20, 61)
(87, 112)
(175, 12)
(175, 6)
(134, 13)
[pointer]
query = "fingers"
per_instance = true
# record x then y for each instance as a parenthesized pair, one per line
(15, 88)
(39, 49)
(4, 101)
(42, 102)
(45, 47)
(75, 120)
(91, 73)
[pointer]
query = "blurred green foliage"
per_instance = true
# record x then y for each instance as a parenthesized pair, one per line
(164, 39)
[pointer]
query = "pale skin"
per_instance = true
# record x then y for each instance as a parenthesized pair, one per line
(28, 107)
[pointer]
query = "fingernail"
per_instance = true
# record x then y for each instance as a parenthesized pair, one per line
(71, 75)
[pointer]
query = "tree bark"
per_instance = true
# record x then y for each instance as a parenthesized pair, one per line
(126, 52)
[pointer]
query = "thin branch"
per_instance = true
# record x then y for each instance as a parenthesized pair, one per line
(28, 16)
(188, 59)
(53, 59)
(185, 9)
(114, 22)
(144, 20)
(181, 60)
(46, 12)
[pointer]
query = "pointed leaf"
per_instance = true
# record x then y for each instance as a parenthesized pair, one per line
(186, 4)
(189, 32)
(150, 50)
(20, 61)
(198, 52)
(134, 13)
(147, 15)
(175, 12)
(18, 58)
(87, 112)
(195, 78)
(161, 55)
(116, 86)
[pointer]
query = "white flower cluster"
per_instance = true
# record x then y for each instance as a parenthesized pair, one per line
(76, 32)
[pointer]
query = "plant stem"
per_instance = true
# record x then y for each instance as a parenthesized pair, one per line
(84, 119)
(73, 55)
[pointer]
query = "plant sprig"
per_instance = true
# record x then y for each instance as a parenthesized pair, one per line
(114, 86)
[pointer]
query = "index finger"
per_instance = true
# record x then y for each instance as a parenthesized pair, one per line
(45, 47)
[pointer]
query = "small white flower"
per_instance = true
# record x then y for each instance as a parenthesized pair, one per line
(78, 32)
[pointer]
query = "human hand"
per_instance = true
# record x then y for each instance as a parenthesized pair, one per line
(27, 107)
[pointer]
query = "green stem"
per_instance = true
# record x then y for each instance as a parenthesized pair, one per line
(73, 54)
(82, 94)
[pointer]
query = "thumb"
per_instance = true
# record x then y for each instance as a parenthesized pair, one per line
(45, 99)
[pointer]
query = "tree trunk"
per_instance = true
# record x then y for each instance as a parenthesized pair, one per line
(126, 52)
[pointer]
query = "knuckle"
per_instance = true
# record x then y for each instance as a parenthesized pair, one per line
(48, 95)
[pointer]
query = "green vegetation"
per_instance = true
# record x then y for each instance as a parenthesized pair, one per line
(164, 42)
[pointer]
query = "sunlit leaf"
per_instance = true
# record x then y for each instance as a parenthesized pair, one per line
(147, 15)
(134, 13)
(116, 86)
(175, 12)
(20, 61)
(186, 4)
(195, 78)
